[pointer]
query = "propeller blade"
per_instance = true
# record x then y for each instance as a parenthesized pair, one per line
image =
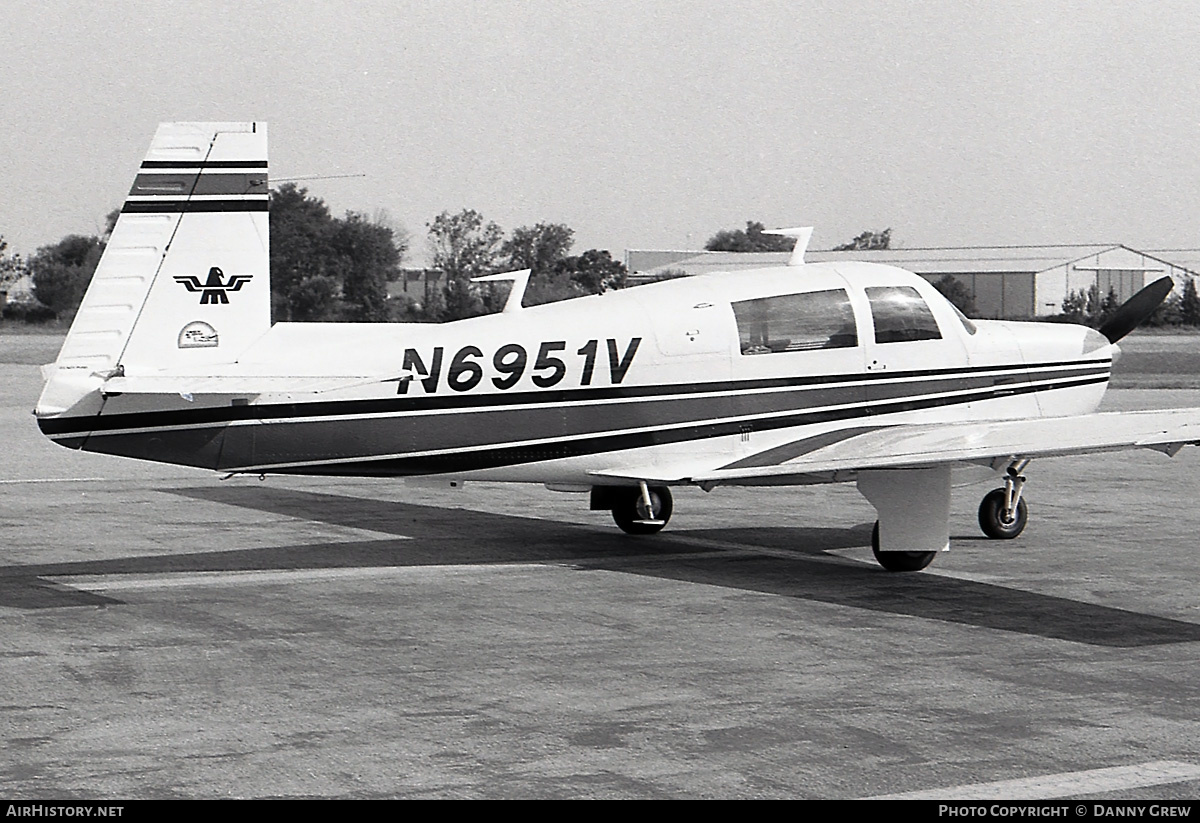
(1133, 311)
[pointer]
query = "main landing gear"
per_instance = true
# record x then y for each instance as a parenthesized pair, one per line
(913, 506)
(899, 561)
(1003, 513)
(641, 510)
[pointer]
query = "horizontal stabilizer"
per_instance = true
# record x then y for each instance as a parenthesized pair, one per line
(241, 385)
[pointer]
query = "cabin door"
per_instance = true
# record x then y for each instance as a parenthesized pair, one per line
(911, 365)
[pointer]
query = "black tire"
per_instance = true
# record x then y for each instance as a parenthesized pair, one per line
(899, 561)
(630, 508)
(991, 517)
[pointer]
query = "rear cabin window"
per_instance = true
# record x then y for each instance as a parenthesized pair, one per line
(796, 322)
(901, 315)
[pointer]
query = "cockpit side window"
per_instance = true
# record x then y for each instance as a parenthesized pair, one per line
(796, 322)
(901, 315)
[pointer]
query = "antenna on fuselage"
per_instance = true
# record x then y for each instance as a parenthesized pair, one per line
(802, 234)
(520, 280)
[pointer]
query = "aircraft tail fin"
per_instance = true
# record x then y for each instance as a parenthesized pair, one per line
(184, 280)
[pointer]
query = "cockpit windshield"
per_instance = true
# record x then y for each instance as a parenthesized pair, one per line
(901, 315)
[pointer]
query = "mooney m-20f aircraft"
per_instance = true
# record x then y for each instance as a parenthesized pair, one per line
(808, 373)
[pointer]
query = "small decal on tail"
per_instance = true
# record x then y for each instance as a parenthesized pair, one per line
(215, 289)
(198, 335)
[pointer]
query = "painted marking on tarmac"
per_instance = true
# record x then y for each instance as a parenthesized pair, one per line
(57, 480)
(709, 547)
(265, 577)
(329, 532)
(1066, 784)
(173, 580)
(733, 547)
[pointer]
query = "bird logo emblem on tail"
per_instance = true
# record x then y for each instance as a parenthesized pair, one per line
(214, 289)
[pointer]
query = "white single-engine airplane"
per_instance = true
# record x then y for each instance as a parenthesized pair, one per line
(809, 373)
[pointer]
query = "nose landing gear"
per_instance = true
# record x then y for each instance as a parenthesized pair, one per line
(1003, 513)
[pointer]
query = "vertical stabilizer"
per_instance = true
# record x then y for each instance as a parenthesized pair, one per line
(184, 280)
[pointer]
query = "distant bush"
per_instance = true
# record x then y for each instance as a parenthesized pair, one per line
(405, 308)
(667, 274)
(29, 313)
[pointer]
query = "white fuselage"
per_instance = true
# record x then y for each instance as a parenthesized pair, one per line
(720, 368)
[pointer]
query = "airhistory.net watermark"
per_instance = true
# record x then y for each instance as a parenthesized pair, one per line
(45, 810)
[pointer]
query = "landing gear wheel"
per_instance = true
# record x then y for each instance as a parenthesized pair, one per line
(633, 517)
(899, 561)
(993, 520)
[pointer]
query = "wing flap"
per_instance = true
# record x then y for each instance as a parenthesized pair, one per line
(651, 474)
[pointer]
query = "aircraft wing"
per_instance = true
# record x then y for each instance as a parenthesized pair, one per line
(929, 444)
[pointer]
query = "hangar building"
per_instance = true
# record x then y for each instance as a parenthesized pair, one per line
(1006, 281)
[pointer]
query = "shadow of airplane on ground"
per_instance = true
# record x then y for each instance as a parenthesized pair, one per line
(430, 535)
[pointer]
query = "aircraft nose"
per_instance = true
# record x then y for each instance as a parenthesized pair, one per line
(1094, 341)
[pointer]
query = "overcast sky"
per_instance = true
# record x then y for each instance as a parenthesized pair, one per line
(638, 124)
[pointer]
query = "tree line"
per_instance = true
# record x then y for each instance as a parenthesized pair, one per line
(327, 268)
(1089, 308)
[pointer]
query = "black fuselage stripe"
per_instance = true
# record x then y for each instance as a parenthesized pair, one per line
(203, 164)
(797, 448)
(426, 444)
(168, 206)
(968, 378)
(480, 459)
(181, 184)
